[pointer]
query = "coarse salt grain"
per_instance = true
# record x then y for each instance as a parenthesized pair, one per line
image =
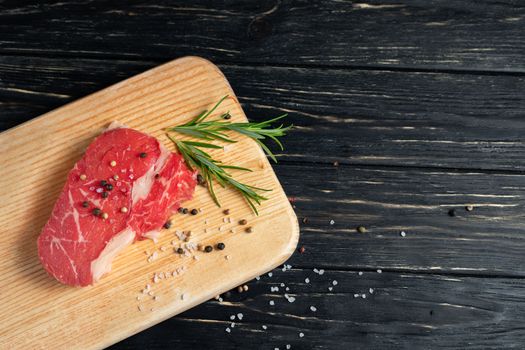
(232, 325)
(307, 280)
(356, 295)
(258, 278)
(371, 290)
(360, 273)
(313, 308)
(282, 284)
(227, 257)
(288, 346)
(228, 330)
(220, 300)
(379, 271)
(301, 335)
(270, 274)
(272, 302)
(264, 327)
(224, 220)
(287, 289)
(99, 190)
(402, 233)
(321, 272)
(363, 296)
(330, 288)
(240, 316)
(232, 317)
(332, 222)
(334, 282)
(291, 299)
(151, 294)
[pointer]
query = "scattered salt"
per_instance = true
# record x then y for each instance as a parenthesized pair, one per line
(224, 220)
(332, 222)
(371, 290)
(402, 233)
(330, 288)
(227, 257)
(363, 296)
(232, 317)
(232, 325)
(360, 273)
(288, 346)
(356, 295)
(99, 190)
(306, 280)
(321, 272)
(264, 327)
(272, 302)
(258, 278)
(220, 300)
(228, 330)
(379, 270)
(313, 308)
(291, 299)
(287, 289)
(301, 335)
(270, 274)
(334, 282)
(240, 316)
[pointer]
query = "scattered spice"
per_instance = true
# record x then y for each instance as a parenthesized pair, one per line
(123, 210)
(227, 116)
(105, 216)
(143, 155)
(200, 180)
(302, 250)
(180, 250)
(361, 229)
(469, 208)
(452, 212)
(305, 220)
(116, 177)
(226, 211)
(157, 176)
(97, 212)
(113, 163)
(248, 229)
(180, 209)
(185, 211)
(243, 222)
(208, 249)
(103, 183)
(83, 177)
(109, 187)
(167, 224)
(85, 204)
(194, 212)
(221, 246)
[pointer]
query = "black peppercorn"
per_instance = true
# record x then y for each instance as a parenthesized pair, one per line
(200, 179)
(97, 212)
(243, 222)
(180, 250)
(157, 176)
(194, 212)
(167, 224)
(180, 210)
(103, 183)
(221, 246)
(109, 187)
(452, 212)
(143, 155)
(105, 194)
(208, 248)
(248, 229)
(226, 212)
(85, 204)
(185, 211)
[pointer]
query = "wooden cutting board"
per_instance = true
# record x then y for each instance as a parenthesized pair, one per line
(39, 313)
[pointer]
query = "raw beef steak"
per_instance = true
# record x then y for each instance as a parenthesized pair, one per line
(124, 188)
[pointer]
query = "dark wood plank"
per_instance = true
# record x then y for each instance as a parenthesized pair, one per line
(405, 311)
(350, 116)
(467, 35)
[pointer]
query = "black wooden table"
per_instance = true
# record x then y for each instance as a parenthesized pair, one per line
(404, 110)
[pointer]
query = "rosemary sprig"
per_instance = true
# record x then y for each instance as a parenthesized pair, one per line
(212, 169)
(214, 129)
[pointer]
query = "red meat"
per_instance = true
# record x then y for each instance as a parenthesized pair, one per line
(145, 184)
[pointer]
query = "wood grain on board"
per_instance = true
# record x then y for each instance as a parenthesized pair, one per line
(37, 311)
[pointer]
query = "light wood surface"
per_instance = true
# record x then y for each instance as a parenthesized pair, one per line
(39, 313)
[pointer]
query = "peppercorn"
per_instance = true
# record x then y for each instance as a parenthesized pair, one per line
(185, 211)
(248, 229)
(194, 212)
(302, 250)
(167, 224)
(180, 250)
(200, 179)
(221, 246)
(157, 176)
(85, 204)
(226, 212)
(109, 187)
(143, 155)
(180, 210)
(103, 183)
(452, 212)
(208, 248)
(227, 116)
(105, 194)
(243, 222)
(361, 229)
(97, 211)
